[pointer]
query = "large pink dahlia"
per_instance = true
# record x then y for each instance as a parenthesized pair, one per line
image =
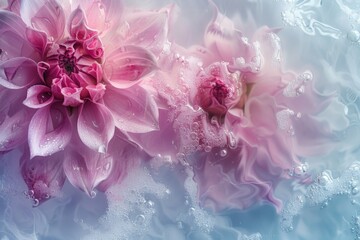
(69, 89)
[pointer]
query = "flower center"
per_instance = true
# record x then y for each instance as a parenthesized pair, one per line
(73, 72)
(68, 63)
(220, 91)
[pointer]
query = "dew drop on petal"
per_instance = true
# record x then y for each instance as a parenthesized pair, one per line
(223, 153)
(102, 149)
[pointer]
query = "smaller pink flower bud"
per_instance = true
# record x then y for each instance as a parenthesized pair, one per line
(216, 90)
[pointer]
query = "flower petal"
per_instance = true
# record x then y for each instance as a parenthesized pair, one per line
(128, 157)
(85, 168)
(13, 41)
(126, 65)
(44, 15)
(222, 38)
(49, 131)
(134, 110)
(102, 15)
(44, 176)
(95, 126)
(77, 26)
(148, 29)
(14, 6)
(37, 39)
(18, 73)
(38, 96)
(14, 129)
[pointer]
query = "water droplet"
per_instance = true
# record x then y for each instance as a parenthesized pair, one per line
(355, 191)
(140, 219)
(36, 202)
(353, 35)
(107, 166)
(43, 97)
(283, 119)
(207, 148)
(95, 124)
(102, 149)
(301, 169)
(223, 153)
(195, 126)
(167, 191)
(150, 203)
(180, 225)
(31, 193)
(92, 194)
(193, 135)
(325, 178)
(214, 121)
(191, 210)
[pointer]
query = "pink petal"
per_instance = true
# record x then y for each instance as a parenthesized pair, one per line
(71, 96)
(126, 65)
(44, 15)
(148, 29)
(38, 96)
(261, 113)
(18, 73)
(96, 92)
(37, 39)
(222, 38)
(95, 126)
(149, 142)
(14, 6)
(85, 168)
(44, 176)
(102, 15)
(77, 26)
(128, 156)
(49, 131)
(14, 129)
(13, 41)
(134, 110)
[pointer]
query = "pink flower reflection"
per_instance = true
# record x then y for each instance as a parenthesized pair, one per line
(70, 84)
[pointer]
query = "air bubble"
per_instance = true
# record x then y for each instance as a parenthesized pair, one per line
(296, 87)
(232, 141)
(223, 153)
(353, 35)
(207, 148)
(191, 210)
(36, 202)
(150, 203)
(284, 121)
(325, 178)
(193, 135)
(140, 219)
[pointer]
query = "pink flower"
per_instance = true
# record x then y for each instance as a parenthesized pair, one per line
(258, 114)
(215, 93)
(236, 115)
(69, 80)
